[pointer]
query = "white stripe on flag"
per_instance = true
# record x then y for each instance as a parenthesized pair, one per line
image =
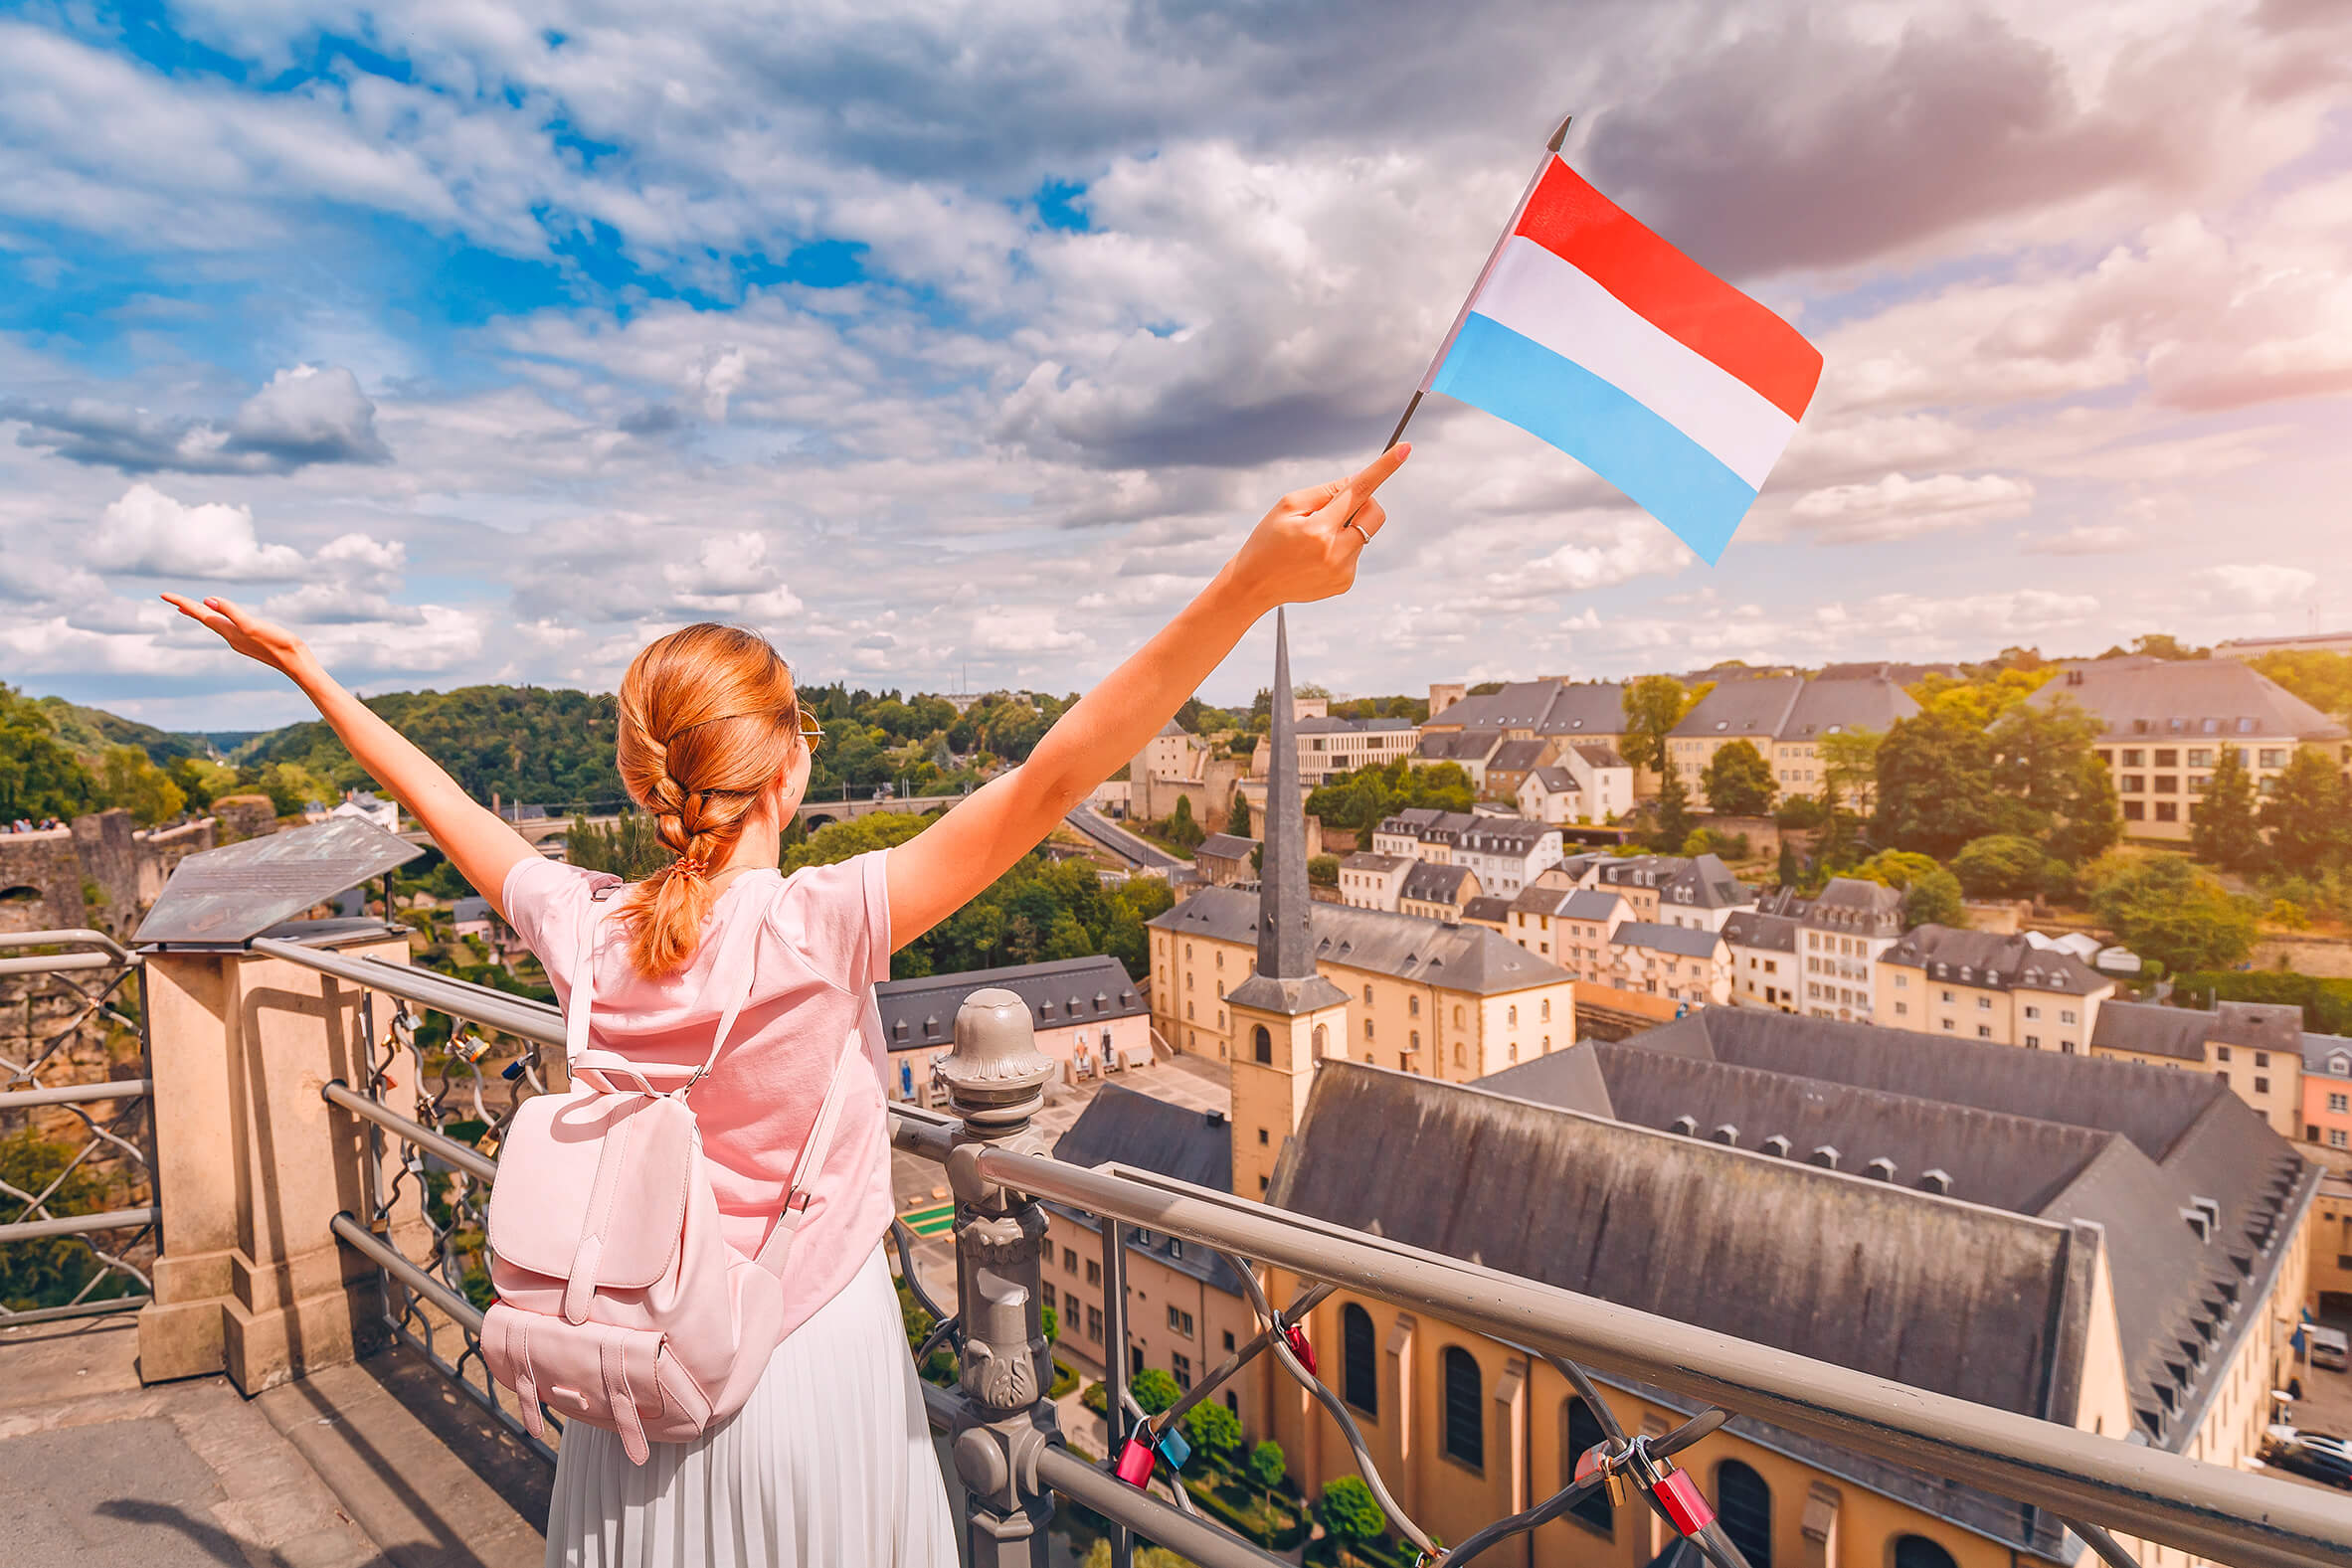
(1552, 302)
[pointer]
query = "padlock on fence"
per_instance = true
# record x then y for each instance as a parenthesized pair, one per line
(1135, 1463)
(1299, 1347)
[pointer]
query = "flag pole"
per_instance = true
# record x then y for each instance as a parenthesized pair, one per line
(1550, 151)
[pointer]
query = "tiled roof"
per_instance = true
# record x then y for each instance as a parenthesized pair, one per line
(1704, 882)
(1765, 933)
(1062, 992)
(1445, 746)
(1406, 946)
(1553, 780)
(1225, 846)
(2327, 1055)
(1328, 725)
(1171, 1140)
(1517, 755)
(1504, 835)
(1601, 755)
(1366, 860)
(1488, 909)
(2186, 699)
(1430, 883)
(1992, 962)
(1854, 905)
(1690, 942)
(1792, 707)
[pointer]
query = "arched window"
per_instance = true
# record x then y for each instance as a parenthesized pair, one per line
(1188, 951)
(1264, 1044)
(1412, 1005)
(1368, 1028)
(1917, 1551)
(1584, 1431)
(1511, 1016)
(1416, 1040)
(1221, 957)
(1465, 1410)
(1744, 1503)
(1368, 993)
(1543, 1010)
(1321, 1040)
(1360, 1364)
(1187, 980)
(1457, 1015)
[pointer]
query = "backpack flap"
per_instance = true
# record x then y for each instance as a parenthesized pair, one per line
(591, 1189)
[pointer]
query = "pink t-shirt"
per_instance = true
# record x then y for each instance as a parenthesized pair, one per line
(822, 944)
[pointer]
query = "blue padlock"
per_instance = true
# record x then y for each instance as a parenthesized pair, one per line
(1174, 1449)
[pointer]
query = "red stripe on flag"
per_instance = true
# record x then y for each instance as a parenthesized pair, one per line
(1683, 299)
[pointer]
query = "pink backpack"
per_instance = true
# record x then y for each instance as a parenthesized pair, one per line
(619, 1302)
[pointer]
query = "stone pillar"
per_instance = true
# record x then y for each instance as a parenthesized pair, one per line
(1401, 1460)
(1820, 1526)
(252, 1164)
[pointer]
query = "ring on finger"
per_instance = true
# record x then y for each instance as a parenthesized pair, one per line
(1359, 527)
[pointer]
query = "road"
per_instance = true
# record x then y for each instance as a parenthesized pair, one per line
(1137, 852)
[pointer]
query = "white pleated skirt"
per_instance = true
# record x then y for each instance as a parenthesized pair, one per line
(828, 1463)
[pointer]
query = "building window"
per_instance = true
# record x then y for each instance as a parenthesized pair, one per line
(1320, 1039)
(1181, 1367)
(1465, 1409)
(2134, 784)
(2261, 1086)
(2032, 1013)
(1984, 1031)
(2168, 811)
(1511, 1016)
(1917, 1551)
(1902, 1008)
(1359, 1365)
(2166, 756)
(1262, 1044)
(1094, 1271)
(1228, 1341)
(1457, 1016)
(1412, 1005)
(1094, 1323)
(1984, 1004)
(2336, 1138)
(2262, 1059)
(2221, 1053)
(1744, 1503)
(1368, 1028)
(1585, 1432)
(1179, 1324)
(2136, 811)
(2032, 1042)
(1261, 1138)
(2065, 1015)
(1048, 1297)
(2133, 756)
(2337, 1105)
(1368, 994)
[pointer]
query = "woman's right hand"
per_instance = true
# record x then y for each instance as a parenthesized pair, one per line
(250, 636)
(1306, 547)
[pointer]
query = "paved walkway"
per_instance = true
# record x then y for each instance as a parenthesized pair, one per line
(354, 1467)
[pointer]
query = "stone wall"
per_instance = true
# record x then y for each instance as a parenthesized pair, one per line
(244, 816)
(40, 881)
(101, 872)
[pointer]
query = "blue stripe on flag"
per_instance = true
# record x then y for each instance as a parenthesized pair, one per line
(1673, 477)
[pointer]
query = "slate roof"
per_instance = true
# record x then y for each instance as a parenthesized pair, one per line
(1516, 757)
(1225, 846)
(1764, 933)
(1406, 946)
(1504, 835)
(1992, 962)
(2045, 1137)
(1641, 871)
(1704, 882)
(2152, 1029)
(1856, 907)
(1445, 746)
(1556, 780)
(1430, 825)
(1171, 1140)
(1330, 725)
(1792, 707)
(1060, 992)
(1742, 706)
(1586, 707)
(1601, 755)
(1684, 941)
(466, 910)
(2322, 1053)
(1488, 909)
(1366, 860)
(1431, 883)
(2180, 698)
(1520, 705)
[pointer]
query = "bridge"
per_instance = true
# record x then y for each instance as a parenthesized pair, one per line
(274, 1356)
(549, 821)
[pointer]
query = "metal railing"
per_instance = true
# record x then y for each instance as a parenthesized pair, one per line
(82, 1169)
(1006, 1442)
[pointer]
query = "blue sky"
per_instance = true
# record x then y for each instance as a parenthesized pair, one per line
(958, 343)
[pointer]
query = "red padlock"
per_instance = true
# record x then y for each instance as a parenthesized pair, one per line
(1299, 1346)
(1135, 1463)
(1685, 1506)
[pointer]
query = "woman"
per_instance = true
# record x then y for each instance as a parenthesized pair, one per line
(830, 1460)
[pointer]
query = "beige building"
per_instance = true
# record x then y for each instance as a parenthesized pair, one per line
(1589, 782)
(1437, 892)
(1563, 712)
(1742, 1146)
(1840, 937)
(1763, 960)
(2255, 1048)
(1089, 1017)
(1571, 926)
(1976, 985)
(1372, 881)
(1328, 745)
(2165, 723)
(1682, 963)
(1786, 718)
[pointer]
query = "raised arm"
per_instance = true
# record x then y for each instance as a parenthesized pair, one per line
(478, 844)
(1305, 549)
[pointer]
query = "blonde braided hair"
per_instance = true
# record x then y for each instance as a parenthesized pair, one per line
(708, 720)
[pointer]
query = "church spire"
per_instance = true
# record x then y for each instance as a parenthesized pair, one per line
(1285, 946)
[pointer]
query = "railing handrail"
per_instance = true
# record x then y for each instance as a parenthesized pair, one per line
(75, 1094)
(2254, 1521)
(77, 936)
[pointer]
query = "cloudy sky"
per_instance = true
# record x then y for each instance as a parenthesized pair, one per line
(485, 340)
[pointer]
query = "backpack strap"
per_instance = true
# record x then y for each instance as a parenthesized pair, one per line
(809, 1165)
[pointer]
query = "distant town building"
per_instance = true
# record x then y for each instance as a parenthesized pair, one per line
(1679, 962)
(1437, 891)
(1328, 745)
(2255, 1048)
(1468, 750)
(2164, 724)
(1563, 712)
(1589, 782)
(1786, 718)
(368, 808)
(1506, 852)
(1840, 936)
(1368, 880)
(1572, 927)
(1225, 859)
(1089, 1016)
(2311, 643)
(1974, 985)
(1763, 958)
(2327, 1093)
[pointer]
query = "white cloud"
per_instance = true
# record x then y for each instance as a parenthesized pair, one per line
(2089, 539)
(1899, 507)
(151, 533)
(2261, 587)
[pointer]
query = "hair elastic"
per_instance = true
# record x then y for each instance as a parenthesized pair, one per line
(689, 866)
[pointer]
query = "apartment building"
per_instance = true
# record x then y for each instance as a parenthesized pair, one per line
(1572, 927)
(2021, 1230)
(1702, 894)
(1840, 937)
(1786, 718)
(1468, 750)
(1089, 1017)
(1976, 984)
(1511, 764)
(1589, 782)
(2255, 1048)
(1506, 852)
(1436, 892)
(1368, 880)
(1328, 745)
(1566, 713)
(1682, 963)
(1422, 833)
(2327, 1093)
(2165, 723)
(1763, 958)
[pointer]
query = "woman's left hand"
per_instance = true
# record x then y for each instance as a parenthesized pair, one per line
(1305, 548)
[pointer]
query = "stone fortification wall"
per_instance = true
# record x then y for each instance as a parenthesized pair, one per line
(101, 872)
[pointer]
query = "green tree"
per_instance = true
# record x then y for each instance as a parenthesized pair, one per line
(1895, 868)
(1321, 870)
(630, 847)
(1675, 819)
(51, 1271)
(1934, 900)
(1361, 799)
(2004, 865)
(1049, 1323)
(39, 775)
(2226, 831)
(128, 779)
(1738, 781)
(1099, 1556)
(1215, 1431)
(1979, 701)
(293, 788)
(1182, 831)
(1654, 705)
(2091, 823)
(1237, 817)
(1935, 786)
(1154, 1389)
(2038, 752)
(1786, 868)
(2307, 813)
(1351, 1513)
(1850, 762)
(2164, 908)
(1267, 1466)
(2324, 680)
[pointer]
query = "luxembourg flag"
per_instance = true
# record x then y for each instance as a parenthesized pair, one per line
(1591, 332)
